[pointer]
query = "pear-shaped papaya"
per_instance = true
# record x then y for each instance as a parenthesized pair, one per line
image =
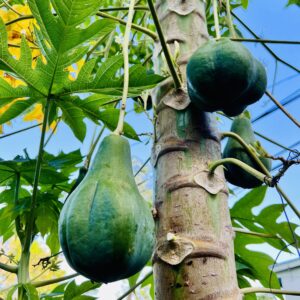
(223, 75)
(106, 229)
(234, 174)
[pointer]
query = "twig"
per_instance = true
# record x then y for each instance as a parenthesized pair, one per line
(38, 284)
(165, 49)
(134, 26)
(263, 235)
(124, 8)
(268, 291)
(11, 8)
(7, 268)
(274, 142)
(282, 108)
(142, 166)
(266, 41)
(265, 46)
(18, 131)
(135, 286)
(45, 261)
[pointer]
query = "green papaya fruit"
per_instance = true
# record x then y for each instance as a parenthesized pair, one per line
(234, 174)
(106, 229)
(223, 75)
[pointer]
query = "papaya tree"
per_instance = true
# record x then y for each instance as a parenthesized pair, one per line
(182, 66)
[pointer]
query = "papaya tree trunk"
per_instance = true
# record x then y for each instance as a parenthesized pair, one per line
(194, 257)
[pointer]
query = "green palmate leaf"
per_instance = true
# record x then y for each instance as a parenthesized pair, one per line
(9, 93)
(265, 221)
(110, 118)
(259, 262)
(293, 2)
(74, 291)
(17, 109)
(60, 38)
(31, 292)
(73, 116)
(105, 81)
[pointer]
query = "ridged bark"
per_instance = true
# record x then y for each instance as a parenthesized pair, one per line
(193, 225)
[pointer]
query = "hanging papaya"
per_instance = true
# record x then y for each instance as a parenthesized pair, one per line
(223, 75)
(106, 228)
(234, 174)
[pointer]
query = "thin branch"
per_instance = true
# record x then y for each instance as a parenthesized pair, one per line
(38, 284)
(266, 41)
(268, 291)
(7, 268)
(18, 131)
(165, 49)
(134, 26)
(18, 19)
(10, 7)
(274, 142)
(18, 46)
(263, 235)
(51, 134)
(18, 223)
(265, 46)
(278, 104)
(124, 8)
(142, 166)
(135, 286)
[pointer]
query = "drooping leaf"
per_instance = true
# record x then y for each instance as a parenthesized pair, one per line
(74, 291)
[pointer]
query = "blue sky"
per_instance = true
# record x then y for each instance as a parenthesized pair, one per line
(269, 19)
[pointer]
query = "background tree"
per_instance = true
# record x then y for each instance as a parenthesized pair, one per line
(55, 72)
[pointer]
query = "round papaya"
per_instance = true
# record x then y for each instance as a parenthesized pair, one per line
(223, 75)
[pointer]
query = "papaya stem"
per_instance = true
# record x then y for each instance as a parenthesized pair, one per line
(261, 165)
(119, 129)
(18, 131)
(135, 286)
(268, 291)
(264, 45)
(148, 32)
(8, 268)
(38, 284)
(260, 176)
(18, 224)
(260, 234)
(165, 48)
(274, 142)
(266, 41)
(278, 104)
(216, 19)
(23, 270)
(229, 20)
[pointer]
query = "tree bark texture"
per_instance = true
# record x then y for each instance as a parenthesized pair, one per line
(194, 257)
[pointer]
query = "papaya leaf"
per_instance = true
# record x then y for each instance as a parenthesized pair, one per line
(17, 109)
(258, 261)
(31, 292)
(73, 116)
(73, 291)
(110, 118)
(241, 214)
